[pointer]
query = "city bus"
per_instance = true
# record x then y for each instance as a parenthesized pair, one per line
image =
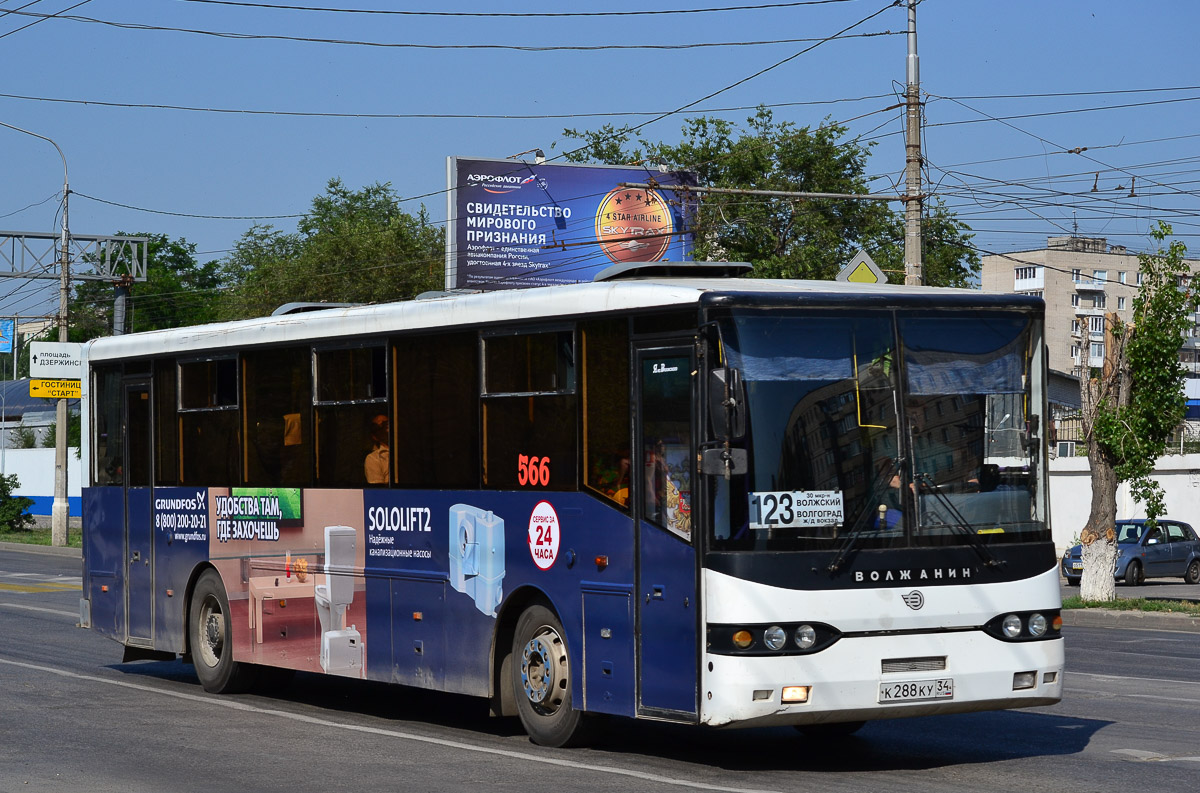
(676, 493)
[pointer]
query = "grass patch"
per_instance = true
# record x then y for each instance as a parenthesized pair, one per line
(40, 537)
(1131, 604)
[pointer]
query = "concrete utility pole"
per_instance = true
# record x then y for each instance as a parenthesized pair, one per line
(60, 511)
(913, 274)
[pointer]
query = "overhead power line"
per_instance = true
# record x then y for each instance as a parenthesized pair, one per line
(518, 15)
(413, 45)
(186, 214)
(43, 18)
(499, 116)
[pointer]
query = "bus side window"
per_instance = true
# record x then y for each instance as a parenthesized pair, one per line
(278, 417)
(351, 405)
(166, 438)
(605, 382)
(529, 411)
(107, 437)
(209, 429)
(435, 381)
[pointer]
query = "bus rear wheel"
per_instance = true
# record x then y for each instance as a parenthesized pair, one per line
(211, 629)
(542, 680)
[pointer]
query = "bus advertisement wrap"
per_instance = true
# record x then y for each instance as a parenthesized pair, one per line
(515, 224)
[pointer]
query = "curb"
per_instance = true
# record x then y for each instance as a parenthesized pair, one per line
(45, 550)
(1135, 620)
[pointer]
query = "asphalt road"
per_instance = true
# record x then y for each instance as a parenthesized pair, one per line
(73, 718)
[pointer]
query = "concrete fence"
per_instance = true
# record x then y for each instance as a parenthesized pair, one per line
(1071, 494)
(35, 471)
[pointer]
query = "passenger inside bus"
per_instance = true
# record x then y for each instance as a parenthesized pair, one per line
(377, 465)
(610, 475)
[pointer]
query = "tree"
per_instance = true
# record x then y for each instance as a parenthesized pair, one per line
(178, 291)
(74, 433)
(788, 237)
(354, 246)
(14, 510)
(1131, 405)
(22, 437)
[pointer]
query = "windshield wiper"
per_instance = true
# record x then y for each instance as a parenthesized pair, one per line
(957, 521)
(856, 530)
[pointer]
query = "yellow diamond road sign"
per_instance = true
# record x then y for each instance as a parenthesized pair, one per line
(862, 270)
(54, 389)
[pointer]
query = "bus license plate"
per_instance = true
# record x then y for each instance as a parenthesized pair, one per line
(917, 690)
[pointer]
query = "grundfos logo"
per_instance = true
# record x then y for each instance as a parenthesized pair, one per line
(500, 183)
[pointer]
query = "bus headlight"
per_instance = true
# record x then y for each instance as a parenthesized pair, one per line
(1011, 626)
(1025, 626)
(774, 637)
(1037, 625)
(805, 637)
(771, 638)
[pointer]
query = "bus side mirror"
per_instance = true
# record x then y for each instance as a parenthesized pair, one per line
(727, 404)
(724, 462)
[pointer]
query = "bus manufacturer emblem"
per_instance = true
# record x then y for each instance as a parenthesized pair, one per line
(914, 600)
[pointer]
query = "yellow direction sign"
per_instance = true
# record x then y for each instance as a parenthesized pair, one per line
(54, 389)
(862, 270)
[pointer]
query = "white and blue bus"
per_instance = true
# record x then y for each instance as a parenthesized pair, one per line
(676, 494)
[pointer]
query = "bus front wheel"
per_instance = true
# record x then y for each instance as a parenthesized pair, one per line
(212, 639)
(542, 680)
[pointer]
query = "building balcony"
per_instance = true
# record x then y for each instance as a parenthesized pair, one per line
(1080, 311)
(1089, 285)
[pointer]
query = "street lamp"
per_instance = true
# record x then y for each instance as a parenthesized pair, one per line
(61, 509)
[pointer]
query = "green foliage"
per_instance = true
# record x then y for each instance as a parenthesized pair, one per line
(352, 247)
(22, 437)
(14, 510)
(1133, 427)
(786, 237)
(74, 433)
(178, 291)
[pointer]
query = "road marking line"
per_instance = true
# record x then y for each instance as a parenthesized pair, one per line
(509, 753)
(33, 589)
(71, 614)
(1124, 678)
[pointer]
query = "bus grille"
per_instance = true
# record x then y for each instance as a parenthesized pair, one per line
(928, 664)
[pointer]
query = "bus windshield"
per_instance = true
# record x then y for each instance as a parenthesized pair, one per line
(902, 428)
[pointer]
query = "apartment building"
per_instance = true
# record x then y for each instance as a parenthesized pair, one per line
(1081, 279)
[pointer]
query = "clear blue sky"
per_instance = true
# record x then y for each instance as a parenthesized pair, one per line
(1002, 163)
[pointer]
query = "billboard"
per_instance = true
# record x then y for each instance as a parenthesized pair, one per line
(7, 329)
(515, 224)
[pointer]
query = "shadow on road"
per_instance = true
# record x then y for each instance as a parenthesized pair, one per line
(897, 744)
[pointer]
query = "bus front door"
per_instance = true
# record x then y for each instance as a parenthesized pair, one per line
(139, 532)
(666, 557)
